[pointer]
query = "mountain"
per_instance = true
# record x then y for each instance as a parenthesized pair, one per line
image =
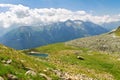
(25, 37)
(111, 25)
(109, 42)
(3, 31)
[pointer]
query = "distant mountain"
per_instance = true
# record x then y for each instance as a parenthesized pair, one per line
(25, 37)
(2, 31)
(111, 25)
(109, 42)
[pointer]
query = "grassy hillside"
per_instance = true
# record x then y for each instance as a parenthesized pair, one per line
(83, 62)
(117, 32)
(14, 64)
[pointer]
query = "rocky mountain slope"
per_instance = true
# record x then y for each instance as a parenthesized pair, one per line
(109, 42)
(33, 36)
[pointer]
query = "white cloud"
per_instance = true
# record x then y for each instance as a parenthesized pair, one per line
(21, 15)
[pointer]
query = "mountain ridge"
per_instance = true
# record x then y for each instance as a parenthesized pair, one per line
(33, 36)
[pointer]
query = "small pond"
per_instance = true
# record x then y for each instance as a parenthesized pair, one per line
(37, 54)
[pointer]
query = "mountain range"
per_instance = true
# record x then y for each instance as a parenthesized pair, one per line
(111, 25)
(25, 37)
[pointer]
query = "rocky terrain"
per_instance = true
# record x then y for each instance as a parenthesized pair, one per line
(109, 42)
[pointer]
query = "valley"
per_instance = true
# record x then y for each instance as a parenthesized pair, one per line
(59, 40)
(64, 61)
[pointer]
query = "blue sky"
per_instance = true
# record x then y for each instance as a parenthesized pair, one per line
(97, 7)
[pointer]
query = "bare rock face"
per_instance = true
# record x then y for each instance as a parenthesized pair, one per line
(31, 72)
(1, 78)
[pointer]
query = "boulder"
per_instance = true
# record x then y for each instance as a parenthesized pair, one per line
(12, 77)
(45, 76)
(9, 61)
(1, 78)
(80, 58)
(31, 72)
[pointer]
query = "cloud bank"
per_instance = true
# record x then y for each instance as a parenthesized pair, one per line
(22, 15)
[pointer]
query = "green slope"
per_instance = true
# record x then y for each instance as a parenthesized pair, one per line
(21, 63)
(96, 65)
(117, 32)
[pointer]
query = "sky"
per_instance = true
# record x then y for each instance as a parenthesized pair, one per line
(35, 12)
(97, 7)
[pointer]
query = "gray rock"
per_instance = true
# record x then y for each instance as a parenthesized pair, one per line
(30, 72)
(1, 78)
(80, 58)
(9, 61)
(12, 77)
(45, 76)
